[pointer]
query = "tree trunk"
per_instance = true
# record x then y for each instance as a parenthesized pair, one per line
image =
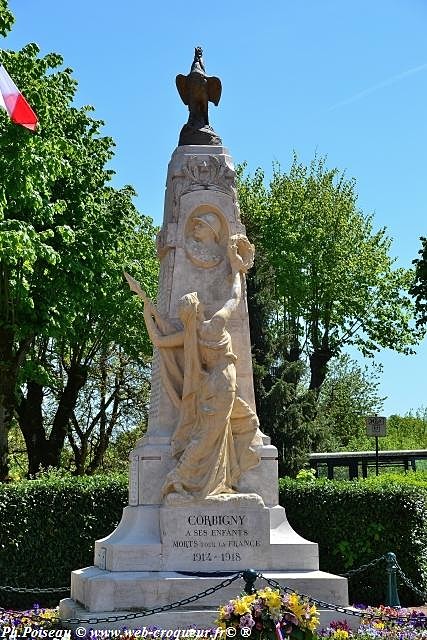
(80, 456)
(319, 368)
(30, 417)
(104, 434)
(106, 426)
(8, 373)
(6, 413)
(76, 379)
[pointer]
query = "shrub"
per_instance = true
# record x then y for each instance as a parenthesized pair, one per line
(48, 527)
(356, 522)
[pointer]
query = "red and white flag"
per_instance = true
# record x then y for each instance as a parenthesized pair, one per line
(14, 102)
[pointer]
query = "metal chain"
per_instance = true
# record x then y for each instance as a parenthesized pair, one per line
(149, 612)
(327, 605)
(410, 584)
(10, 589)
(363, 567)
(335, 607)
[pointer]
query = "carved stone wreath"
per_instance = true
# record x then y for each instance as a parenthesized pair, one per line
(246, 251)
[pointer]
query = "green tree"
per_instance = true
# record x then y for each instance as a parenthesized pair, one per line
(112, 401)
(64, 237)
(323, 280)
(406, 432)
(6, 18)
(403, 432)
(419, 286)
(79, 382)
(348, 394)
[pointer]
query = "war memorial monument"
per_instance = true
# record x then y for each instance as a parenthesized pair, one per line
(203, 485)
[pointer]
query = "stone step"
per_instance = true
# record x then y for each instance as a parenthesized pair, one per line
(182, 619)
(102, 591)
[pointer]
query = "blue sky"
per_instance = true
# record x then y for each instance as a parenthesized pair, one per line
(344, 79)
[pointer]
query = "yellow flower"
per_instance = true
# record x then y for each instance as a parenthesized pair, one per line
(305, 613)
(272, 598)
(340, 634)
(249, 598)
(221, 613)
(378, 624)
(241, 607)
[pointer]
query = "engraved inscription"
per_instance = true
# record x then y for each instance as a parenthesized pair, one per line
(217, 538)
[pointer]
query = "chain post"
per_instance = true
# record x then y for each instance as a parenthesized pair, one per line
(392, 599)
(249, 576)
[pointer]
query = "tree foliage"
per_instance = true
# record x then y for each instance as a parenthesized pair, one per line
(323, 280)
(403, 433)
(6, 18)
(419, 286)
(406, 432)
(65, 236)
(348, 395)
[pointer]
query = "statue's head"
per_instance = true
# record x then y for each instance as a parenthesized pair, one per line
(207, 227)
(198, 64)
(188, 307)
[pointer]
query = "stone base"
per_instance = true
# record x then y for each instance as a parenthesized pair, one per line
(106, 593)
(229, 532)
(198, 136)
(151, 461)
(161, 554)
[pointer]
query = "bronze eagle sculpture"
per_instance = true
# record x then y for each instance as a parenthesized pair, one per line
(196, 91)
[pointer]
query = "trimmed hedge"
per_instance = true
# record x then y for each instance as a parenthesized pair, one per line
(48, 528)
(357, 522)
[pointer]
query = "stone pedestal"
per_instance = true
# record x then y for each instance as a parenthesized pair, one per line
(229, 535)
(154, 555)
(107, 593)
(151, 460)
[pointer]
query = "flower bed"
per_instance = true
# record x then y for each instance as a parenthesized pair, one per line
(15, 624)
(388, 624)
(267, 614)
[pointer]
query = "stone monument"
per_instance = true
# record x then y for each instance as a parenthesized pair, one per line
(203, 486)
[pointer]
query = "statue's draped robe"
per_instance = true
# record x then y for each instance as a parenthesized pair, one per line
(212, 441)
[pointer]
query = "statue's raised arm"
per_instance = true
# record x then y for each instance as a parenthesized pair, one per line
(241, 256)
(150, 310)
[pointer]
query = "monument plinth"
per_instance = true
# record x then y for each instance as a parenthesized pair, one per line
(203, 487)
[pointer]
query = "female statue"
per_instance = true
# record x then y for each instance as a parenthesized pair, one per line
(216, 427)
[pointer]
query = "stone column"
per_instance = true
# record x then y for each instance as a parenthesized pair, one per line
(201, 182)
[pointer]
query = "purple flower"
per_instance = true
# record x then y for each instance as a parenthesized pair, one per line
(339, 624)
(246, 621)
